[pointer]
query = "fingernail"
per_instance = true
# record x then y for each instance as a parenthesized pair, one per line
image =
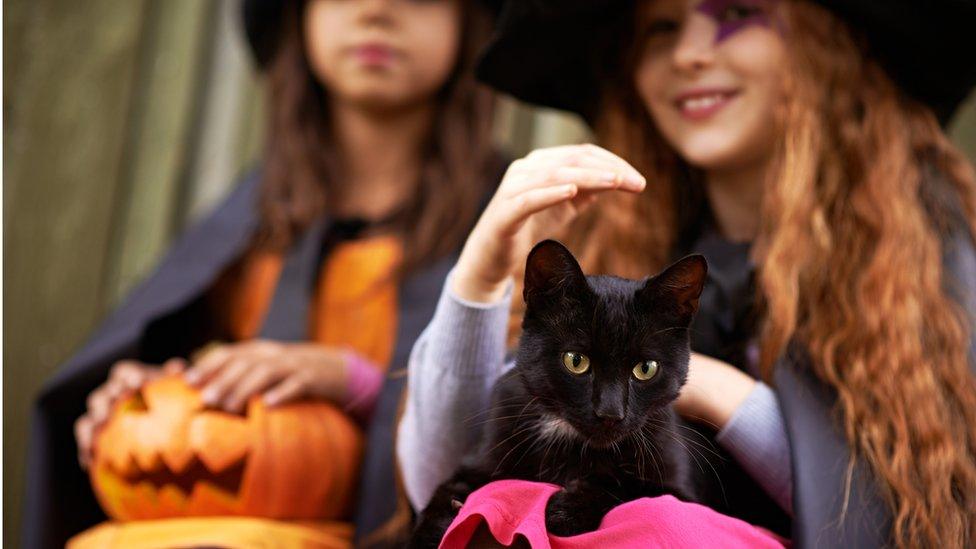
(191, 377)
(270, 401)
(635, 181)
(209, 396)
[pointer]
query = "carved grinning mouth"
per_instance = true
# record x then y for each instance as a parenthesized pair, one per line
(195, 472)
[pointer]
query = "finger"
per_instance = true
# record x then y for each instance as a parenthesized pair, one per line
(584, 154)
(263, 346)
(114, 391)
(208, 366)
(84, 431)
(174, 366)
(127, 370)
(549, 152)
(587, 179)
(533, 201)
(290, 389)
(125, 365)
(99, 403)
(583, 201)
(591, 172)
(601, 152)
(252, 383)
(215, 392)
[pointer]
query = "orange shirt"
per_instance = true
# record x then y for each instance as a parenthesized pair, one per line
(354, 304)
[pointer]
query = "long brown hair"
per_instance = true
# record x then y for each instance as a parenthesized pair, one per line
(302, 171)
(865, 191)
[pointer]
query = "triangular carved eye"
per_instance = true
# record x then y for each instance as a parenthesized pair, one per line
(135, 403)
(138, 403)
(162, 454)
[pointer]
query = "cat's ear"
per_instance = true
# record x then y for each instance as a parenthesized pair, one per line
(551, 270)
(678, 287)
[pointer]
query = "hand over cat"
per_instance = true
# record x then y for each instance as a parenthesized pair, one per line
(538, 197)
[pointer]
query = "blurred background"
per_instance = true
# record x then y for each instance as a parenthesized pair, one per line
(124, 121)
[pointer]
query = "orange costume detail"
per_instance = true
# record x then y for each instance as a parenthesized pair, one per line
(353, 306)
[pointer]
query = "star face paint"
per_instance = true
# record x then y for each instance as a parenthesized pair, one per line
(731, 16)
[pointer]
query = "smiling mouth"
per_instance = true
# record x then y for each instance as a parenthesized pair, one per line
(698, 106)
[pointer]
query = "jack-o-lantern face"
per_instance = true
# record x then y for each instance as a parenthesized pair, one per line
(162, 454)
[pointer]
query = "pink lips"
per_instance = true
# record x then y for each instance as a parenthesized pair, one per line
(374, 54)
(702, 103)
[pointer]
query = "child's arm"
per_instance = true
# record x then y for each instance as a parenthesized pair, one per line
(452, 368)
(748, 417)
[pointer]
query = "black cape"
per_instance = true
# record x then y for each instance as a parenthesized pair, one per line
(165, 316)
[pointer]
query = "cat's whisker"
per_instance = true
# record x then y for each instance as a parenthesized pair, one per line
(693, 452)
(531, 447)
(694, 455)
(549, 443)
(662, 330)
(495, 418)
(707, 445)
(685, 427)
(494, 408)
(651, 450)
(510, 450)
(510, 437)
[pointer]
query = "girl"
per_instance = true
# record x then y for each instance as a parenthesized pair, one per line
(781, 141)
(377, 161)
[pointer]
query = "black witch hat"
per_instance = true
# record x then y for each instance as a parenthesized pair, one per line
(262, 25)
(555, 52)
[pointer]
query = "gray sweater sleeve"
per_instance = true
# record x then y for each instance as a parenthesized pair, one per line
(459, 357)
(756, 437)
(452, 368)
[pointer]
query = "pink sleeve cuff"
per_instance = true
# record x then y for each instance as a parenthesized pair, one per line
(363, 383)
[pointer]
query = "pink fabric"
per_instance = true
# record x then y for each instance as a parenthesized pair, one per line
(363, 383)
(513, 507)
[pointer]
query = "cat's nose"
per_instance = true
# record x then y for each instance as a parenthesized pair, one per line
(610, 416)
(608, 405)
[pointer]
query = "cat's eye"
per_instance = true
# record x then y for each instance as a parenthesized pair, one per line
(576, 362)
(646, 370)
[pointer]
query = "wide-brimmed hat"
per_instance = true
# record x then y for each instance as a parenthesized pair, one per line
(554, 53)
(262, 25)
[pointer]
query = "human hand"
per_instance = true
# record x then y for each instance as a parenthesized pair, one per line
(713, 392)
(229, 375)
(126, 377)
(538, 197)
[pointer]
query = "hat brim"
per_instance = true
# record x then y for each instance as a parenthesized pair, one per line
(553, 53)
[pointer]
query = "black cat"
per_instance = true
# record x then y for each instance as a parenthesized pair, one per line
(588, 404)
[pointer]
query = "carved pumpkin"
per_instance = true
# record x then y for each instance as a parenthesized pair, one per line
(162, 455)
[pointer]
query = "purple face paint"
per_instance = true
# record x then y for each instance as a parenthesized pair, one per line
(735, 15)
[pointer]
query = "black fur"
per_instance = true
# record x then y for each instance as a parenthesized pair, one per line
(603, 435)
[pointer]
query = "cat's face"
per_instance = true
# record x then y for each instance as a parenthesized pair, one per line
(604, 354)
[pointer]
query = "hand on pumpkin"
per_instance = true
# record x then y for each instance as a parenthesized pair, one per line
(538, 197)
(229, 375)
(714, 390)
(126, 377)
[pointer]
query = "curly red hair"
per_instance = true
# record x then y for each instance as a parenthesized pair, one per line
(865, 192)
